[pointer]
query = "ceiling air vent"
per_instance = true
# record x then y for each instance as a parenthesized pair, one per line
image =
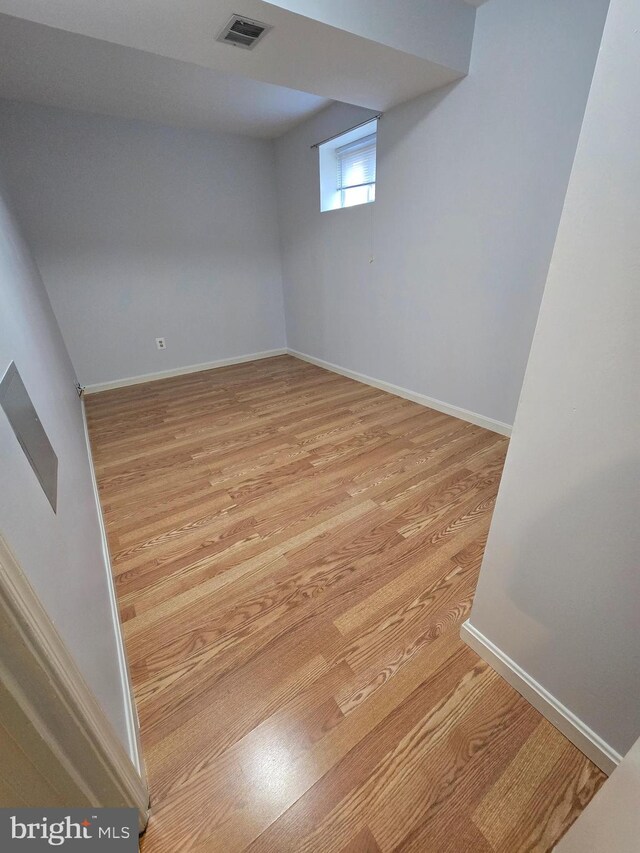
(243, 32)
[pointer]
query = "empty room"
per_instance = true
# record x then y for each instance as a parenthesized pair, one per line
(319, 426)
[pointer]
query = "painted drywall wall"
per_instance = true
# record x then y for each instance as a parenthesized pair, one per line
(438, 30)
(299, 53)
(143, 231)
(560, 582)
(61, 553)
(471, 181)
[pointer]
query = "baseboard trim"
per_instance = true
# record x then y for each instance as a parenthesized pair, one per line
(130, 710)
(421, 399)
(180, 371)
(587, 741)
(399, 391)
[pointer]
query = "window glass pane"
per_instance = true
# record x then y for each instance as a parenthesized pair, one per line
(356, 162)
(357, 195)
(348, 168)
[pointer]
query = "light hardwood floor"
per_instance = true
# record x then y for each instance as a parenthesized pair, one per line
(294, 554)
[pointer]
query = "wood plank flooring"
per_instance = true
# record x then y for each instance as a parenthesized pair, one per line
(294, 553)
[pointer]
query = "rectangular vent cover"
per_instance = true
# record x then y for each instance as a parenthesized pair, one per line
(24, 420)
(243, 32)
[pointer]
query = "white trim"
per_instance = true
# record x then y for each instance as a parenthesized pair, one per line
(130, 711)
(414, 396)
(42, 682)
(179, 371)
(578, 732)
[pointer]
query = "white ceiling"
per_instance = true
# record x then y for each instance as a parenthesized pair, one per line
(48, 66)
(159, 59)
(439, 31)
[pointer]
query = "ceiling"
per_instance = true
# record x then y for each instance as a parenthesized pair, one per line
(48, 66)
(159, 60)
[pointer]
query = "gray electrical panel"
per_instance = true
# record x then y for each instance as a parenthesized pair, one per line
(24, 420)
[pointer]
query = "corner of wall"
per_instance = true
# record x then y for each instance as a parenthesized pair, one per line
(578, 732)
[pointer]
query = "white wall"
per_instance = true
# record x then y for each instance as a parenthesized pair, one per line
(143, 231)
(439, 30)
(559, 589)
(60, 553)
(471, 181)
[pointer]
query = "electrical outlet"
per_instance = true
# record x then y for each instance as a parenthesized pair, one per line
(160, 343)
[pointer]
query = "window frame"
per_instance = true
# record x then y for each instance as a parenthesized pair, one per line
(334, 195)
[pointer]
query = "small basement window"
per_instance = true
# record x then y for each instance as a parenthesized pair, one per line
(348, 168)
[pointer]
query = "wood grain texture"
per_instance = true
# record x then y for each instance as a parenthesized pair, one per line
(294, 553)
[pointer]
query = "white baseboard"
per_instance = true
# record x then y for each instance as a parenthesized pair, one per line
(180, 371)
(130, 711)
(587, 741)
(421, 399)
